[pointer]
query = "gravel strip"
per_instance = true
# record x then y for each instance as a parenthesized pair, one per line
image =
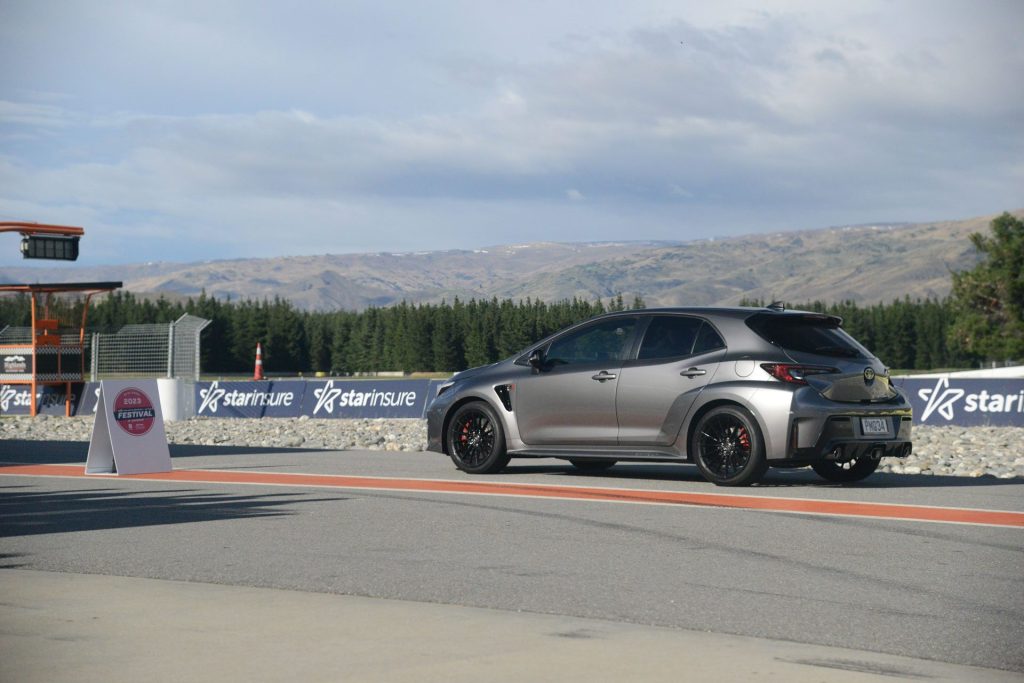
(963, 452)
(301, 432)
(953, 451)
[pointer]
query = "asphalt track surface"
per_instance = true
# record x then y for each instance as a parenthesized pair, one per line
(806, 562)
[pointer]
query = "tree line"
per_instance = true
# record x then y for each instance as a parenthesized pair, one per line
(454, 336)
(409, 337)
(980, 320)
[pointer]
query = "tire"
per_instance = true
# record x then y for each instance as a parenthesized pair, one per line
(845, 472)
(588, 465)
(727, 447)
(476, 440)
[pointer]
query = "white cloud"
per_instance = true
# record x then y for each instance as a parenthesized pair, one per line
(31, 114)
(229, 131)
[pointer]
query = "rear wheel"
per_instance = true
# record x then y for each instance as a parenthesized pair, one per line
(851, 470)
(476, 442)
(588, 465)
(727, 447)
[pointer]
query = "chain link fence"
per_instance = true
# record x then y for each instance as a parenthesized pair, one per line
(23, 335)
(156, 350)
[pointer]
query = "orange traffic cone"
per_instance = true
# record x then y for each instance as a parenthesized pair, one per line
(258, 373)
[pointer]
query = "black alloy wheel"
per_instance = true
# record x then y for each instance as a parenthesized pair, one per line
(727, 447)
(476, 442)
(854, 469)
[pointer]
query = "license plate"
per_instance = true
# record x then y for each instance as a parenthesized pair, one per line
(874, 425)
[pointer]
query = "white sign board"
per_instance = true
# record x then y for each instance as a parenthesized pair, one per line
(128, 433)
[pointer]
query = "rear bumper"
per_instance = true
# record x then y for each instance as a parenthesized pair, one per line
(842, 438)
(820, 429)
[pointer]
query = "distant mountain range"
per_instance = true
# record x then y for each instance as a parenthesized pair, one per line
(864, 263)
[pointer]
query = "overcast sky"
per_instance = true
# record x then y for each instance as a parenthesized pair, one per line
(193, 130)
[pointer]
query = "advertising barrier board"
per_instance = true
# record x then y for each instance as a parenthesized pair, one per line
(277, 398)
(250, 399)
(942, 401)
(936, 401)
(352, 399)
(315, 398)
(16, 399)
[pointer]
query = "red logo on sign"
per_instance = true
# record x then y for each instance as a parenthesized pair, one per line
(133, 412)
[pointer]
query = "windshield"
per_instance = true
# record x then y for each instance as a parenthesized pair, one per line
(818, 334)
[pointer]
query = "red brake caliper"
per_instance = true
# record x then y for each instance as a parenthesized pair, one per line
(744, 438)
(465, 432)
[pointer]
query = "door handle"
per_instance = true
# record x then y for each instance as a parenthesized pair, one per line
(693, 372)
(604, 375)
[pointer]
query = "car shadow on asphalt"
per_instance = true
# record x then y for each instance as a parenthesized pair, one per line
(34, 510)
(775, 478)
(29, 452)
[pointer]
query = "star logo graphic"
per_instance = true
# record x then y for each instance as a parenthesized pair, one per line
(325, 397)
(940, 398)
(211, 398)
(6, 394)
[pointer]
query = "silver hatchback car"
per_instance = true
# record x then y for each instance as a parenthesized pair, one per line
(732, 390)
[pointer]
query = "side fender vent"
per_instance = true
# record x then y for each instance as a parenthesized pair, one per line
(504, 392)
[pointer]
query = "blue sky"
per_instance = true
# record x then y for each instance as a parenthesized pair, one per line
(190, 131)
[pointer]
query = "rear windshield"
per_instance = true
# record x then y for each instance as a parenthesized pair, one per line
(816, 334)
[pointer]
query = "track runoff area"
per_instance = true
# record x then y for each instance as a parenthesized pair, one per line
(600, 494)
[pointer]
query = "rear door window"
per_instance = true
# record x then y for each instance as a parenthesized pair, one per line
(708, 339)
(818, 334)
(669, 336)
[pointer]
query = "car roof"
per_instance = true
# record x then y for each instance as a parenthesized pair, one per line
(723, 311)
(728, 320)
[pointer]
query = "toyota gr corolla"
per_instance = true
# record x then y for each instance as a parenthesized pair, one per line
(732, 390)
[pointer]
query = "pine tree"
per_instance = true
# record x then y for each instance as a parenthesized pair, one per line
(989, 298)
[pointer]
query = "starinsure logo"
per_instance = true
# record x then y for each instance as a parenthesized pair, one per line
(943, 398)
(22, 398)
(11, 396)
(214, 396)
(328, 396)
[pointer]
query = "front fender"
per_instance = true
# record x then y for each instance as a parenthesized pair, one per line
(444, 405)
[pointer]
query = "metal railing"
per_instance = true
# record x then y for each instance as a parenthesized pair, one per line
(155, 350)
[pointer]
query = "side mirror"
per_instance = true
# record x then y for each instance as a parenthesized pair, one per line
(536, 360)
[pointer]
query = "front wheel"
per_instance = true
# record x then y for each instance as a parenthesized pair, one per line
(476, 442)
(844, 472)
(727, 447)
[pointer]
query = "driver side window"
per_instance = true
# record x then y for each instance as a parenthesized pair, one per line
(605, 341)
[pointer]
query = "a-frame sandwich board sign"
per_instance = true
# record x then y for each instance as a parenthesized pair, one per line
(128, 434)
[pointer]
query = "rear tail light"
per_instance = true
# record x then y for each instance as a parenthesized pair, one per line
(795, 374)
